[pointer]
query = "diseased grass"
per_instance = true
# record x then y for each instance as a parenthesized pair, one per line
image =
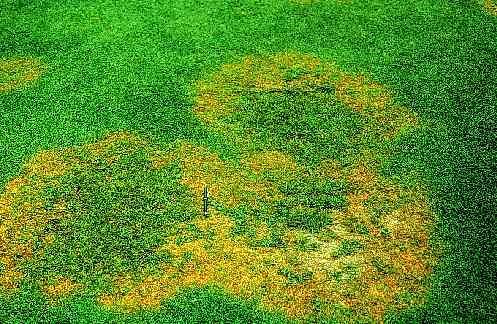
(17, 73)
(194, 254)
(100, 213)
(331, 100)
(261, 94)
(490, 6)
(119, 219)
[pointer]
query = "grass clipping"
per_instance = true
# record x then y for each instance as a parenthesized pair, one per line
(360, 248)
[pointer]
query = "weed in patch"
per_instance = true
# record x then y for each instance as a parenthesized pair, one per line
(294, 73)
(385, 232)
(305, 244)
(306, 126)
(307, 203)
(274, 241)
(348, 247)
(346, 273)
(382, 267)
(301, 217)
(354, 225)
(315, 192)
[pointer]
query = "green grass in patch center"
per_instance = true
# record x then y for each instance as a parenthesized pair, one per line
(118, 214)
(309, 127)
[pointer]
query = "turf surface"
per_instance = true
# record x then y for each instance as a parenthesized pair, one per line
(90, 67)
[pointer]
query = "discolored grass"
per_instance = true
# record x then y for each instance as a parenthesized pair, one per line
(160, 246)
(102, 212)
(129, 64)
(343, 268)
(302, 223)
(326, 118)
(17, 73)
(243, 98)
(58, 288)
(490, 6)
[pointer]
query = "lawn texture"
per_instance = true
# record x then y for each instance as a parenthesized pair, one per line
(114, 118)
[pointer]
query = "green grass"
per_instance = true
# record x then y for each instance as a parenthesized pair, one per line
(130, 66)
(348, 247)
(295, 278)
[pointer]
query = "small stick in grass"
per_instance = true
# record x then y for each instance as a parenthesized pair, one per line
(206, 202)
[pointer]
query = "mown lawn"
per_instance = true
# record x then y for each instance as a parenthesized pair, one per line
(348, 147)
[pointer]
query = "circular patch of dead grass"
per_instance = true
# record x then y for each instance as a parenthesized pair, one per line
(17, 73)
(219, 95)
(490, 6)
(373, 257)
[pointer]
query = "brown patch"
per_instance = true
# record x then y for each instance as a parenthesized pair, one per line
(227, 184)
(114, 145)
(62, 287)
(20, 222)
(270, 161)
(231, 263)
(218, 95)
(366, 277)
(490, 6)
(359, 93)
(22, 213)
(49, 163)
(16, 73)
(10, 278)
(362, 177)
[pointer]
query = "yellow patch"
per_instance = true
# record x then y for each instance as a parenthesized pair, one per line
(217, 96)
(226, 184)
(490, 6)
(114, 145)
(359, 93)
(22, 212)
(63, 287)
(270, 161)
(262, 231)
(10, 278)
(20, 219)
(355, 262)
(16, 73)
(49, 163)
(231, 263)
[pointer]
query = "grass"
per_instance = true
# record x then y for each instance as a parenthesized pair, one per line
(15, 73)
(491, 6)
(114, 118)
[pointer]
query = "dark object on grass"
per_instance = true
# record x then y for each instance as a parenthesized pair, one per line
(206, 202)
